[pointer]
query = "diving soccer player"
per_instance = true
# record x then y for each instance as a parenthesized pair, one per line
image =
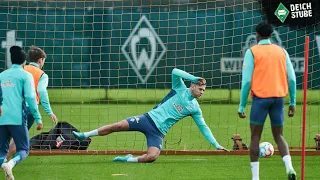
(37, 59)
(17, 89)
(179, 103)
(268, 71)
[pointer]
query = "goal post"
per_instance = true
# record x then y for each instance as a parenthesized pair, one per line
(130, 49)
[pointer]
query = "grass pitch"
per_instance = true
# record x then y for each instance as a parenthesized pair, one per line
(166, 167)
(221, 118)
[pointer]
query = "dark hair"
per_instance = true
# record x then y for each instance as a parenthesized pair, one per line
(36, 53)
(264, 29)
(18, 56)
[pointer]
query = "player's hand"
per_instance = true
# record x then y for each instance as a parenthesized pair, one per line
(201, 81)
(242, 115)
(292, 110)
(0, 110)
(222, 148)
(53, 118)
(40, 126)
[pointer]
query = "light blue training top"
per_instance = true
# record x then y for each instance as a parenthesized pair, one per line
(1, 99)
(178, 104)
(247, 77)
(17, 88)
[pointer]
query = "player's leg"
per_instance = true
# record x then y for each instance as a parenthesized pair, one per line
(258, 114)
(30, 121)
(154, 138)
(12, 149)
(21, 139)
(154, 143)
(276, 114)
(4, 148)
(256, 131)
(152, 155)
(4, 143)
(20, 136)
(116, 127)
(103, 131)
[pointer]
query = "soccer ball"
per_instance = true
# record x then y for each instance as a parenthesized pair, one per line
(266, 150)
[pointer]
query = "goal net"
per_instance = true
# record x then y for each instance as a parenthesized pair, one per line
(109, 60)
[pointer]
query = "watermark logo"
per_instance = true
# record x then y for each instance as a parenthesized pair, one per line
(281, 12)
(300, 10)
(143, 49)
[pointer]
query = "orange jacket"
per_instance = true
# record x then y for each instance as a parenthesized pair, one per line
(36, 73)
(269, 78)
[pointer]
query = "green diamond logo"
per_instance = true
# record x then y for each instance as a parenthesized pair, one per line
(281, 12)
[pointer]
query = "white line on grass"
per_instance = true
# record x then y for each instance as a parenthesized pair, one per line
(119, 174)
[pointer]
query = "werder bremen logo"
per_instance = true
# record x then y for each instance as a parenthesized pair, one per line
(281, 12)
(143, 49)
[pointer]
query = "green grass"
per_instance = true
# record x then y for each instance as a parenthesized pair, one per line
(69, 95)
(166, 167)
(221, 118)
(152, 96)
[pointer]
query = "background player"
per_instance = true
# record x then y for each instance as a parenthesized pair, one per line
(17, 87)
(37, 59)
(268, 71)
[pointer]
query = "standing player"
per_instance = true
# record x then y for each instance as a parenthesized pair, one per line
(37, 59)
(268, 71)
(17, 87)
(179, 103)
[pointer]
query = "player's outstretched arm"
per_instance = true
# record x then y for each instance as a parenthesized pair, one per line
(30, 96)
(292, 85)
(247, 71)
(178, 74)
(205, 130)
(44, 97)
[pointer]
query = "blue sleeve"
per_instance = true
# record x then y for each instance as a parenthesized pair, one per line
(291, 80)
(30, 96)
(205, 130)
(247, 71)
(177, 75)
(1, 98)
(43, 93)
